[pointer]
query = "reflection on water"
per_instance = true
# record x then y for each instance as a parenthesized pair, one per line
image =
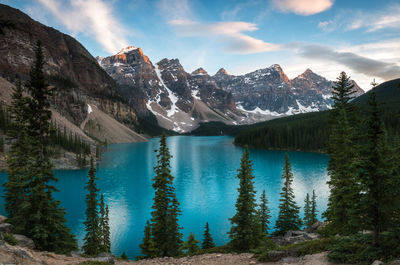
(205, 171)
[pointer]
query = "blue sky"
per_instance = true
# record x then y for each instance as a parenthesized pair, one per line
(327, 36)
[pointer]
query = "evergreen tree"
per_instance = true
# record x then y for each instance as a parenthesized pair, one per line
(107, 232)
(207, 239)
(190, 246)
(245, 232)
(264, 213)
(18, 159)
(104, 227)
(174, 234)
(376, 176)
(92, 242)
(124, 256)
(314, 211)
(288, 218)
(164, 221)
(45, 221)
(147, 246)
(342, 212)
(307, 211)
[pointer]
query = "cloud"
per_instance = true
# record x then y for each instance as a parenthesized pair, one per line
(174, 9)
(230, 33)
(302, 7)
(355, 62)
(90, 17)
(349, 20)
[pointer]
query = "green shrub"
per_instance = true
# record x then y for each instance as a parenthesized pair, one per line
(357, 249)
(10, 239)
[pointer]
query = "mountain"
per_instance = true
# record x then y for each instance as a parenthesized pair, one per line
(77, 78)
(309, 132)
(178, 100)
(270, 92)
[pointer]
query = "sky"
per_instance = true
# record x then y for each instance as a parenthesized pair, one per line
(360, 37)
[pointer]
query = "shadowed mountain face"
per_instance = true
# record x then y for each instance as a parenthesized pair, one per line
(75, 75)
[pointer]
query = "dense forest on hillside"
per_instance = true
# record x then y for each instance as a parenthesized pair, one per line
(309, 132)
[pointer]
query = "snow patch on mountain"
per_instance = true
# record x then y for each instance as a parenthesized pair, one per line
(171, 95)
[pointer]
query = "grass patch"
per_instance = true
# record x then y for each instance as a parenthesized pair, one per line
(272, 252)
(10, 239)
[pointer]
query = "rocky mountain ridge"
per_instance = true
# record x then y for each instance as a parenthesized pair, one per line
(180, 100)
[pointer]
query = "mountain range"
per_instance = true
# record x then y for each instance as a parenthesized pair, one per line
(181, 100)
(93, 96)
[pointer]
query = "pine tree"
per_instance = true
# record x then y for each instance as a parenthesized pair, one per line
(18, 159)
(245, 232)
(307, 211)
(190, 246)
(314, 211)
(147, 246)
(376, 175)
(342, 212)
(174, 234)
(288, 218)
(92, 241)
(264, 213)
(207, 239)
(104, 227)
(124, 256)
(107, 232)
(45, 219)
(164, 221)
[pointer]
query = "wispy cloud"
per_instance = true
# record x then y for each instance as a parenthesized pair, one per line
(348, 20)
(90, 17)
(174, 9)
(230, 33)
(353, 61)
(303, 7)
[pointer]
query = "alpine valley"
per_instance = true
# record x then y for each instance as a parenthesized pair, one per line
(124, 96)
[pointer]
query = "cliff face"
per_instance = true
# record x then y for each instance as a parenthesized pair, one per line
(76, 76)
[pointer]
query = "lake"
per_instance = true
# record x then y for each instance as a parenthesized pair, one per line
(205, 170)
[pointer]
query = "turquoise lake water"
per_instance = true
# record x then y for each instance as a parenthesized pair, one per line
(205, 171)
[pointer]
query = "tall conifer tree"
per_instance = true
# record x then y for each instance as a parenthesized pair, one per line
(264, 213)
(92, 241)
(307, 211)
(314, 211)
(245, 231)
(164, 222)
(18, 161)
(342, 212)
(104, 227)
(288, 218)
(45, 221)
(377, 179)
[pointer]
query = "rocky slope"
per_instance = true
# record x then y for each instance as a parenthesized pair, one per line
(75, 75)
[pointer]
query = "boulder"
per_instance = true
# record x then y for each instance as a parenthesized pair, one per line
(2, 218)
(24, 241)
(104, 259)
(315, 227)
(6, 228)
(395, 262)
(377, 262)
